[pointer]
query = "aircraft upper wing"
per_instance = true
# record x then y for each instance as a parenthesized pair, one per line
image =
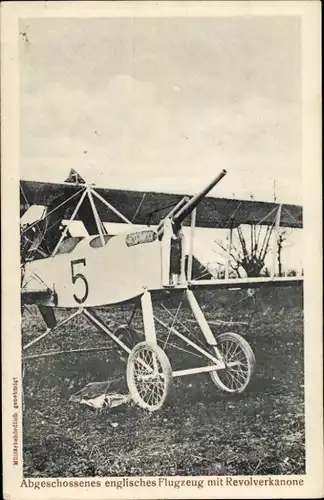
(141, 207)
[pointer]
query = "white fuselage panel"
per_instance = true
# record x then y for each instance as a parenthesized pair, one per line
(93, 276)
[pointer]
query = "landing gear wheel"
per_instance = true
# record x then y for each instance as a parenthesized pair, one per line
(239, 360)
(149, 376)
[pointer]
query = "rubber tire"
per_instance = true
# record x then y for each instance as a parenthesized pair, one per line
(167, 370)
(246, 348)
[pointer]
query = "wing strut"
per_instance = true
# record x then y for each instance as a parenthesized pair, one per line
(90, 193)
(229, 249)
(112, 208)
(191, 243)
(96, 216)
(71, 219)
(275, 240)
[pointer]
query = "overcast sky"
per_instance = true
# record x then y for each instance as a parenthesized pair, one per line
(164, 103)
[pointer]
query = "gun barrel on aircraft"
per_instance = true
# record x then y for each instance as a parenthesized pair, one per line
(193, 202)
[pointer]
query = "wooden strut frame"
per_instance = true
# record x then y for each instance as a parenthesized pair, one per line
(275, 235)
(215, 361)
(149, 319)
(90, 192)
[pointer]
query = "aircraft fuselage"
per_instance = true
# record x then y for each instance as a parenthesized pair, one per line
(91, 275)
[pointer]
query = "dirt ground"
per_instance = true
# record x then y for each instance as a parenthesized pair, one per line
(201, 431)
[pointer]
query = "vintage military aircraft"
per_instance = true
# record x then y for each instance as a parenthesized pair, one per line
(101, 269)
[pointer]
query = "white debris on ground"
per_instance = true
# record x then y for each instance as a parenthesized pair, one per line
(96, 396)
(107, 401)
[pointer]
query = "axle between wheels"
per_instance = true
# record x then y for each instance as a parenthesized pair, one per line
(149, 373)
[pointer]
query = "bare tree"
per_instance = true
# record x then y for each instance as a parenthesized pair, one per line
(281, 238)
(249, 255)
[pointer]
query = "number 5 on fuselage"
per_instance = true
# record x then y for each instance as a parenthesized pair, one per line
(80, 299)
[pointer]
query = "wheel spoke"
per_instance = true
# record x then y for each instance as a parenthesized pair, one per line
(238, 375)
(236, 347)
(147, 375)
(156, 364)
(238, 357)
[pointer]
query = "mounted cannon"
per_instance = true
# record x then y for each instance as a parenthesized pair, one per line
(172, 238)
(187, 205)
(106, 269)
(141, 266)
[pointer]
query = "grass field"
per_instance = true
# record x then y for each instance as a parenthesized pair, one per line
(201, 431)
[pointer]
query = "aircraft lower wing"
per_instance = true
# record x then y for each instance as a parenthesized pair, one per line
(240, 283)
